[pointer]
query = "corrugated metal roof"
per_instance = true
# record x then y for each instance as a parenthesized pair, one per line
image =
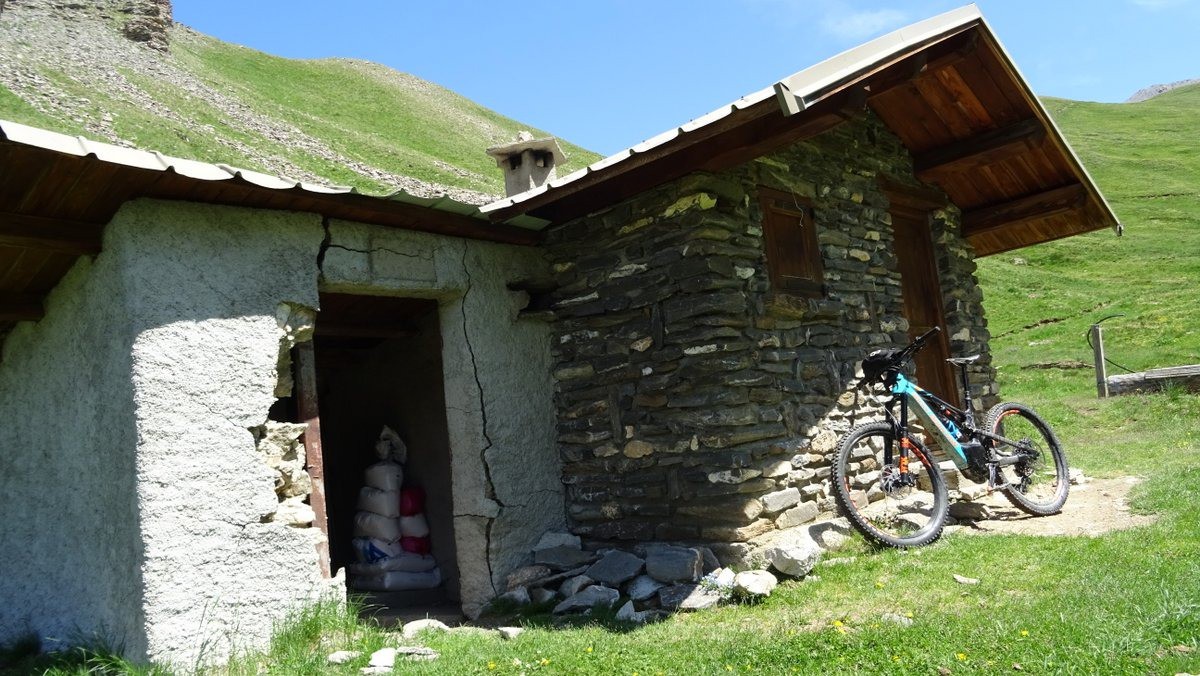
(204, 171)
(805, 88)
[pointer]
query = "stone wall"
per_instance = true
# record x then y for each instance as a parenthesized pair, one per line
(694, 402)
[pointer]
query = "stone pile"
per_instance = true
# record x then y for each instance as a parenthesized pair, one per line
(653, 579)
(279, 446)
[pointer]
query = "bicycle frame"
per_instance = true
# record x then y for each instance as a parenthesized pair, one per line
(944, 431)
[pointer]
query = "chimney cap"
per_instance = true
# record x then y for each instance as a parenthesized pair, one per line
(525, 141)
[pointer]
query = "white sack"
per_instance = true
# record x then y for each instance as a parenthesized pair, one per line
(383, 503)
(370, 550)
(386, 476)
(414, 526)
(406, 562)
(390, 445)
(371, 525)
(398, 580)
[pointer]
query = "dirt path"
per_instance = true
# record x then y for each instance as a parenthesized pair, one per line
(1093, 508)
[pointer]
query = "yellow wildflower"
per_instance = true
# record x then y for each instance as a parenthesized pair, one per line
(962, 657)
(491, 665)
(589, 649)
(837, 623)
(1024, 632)
(543, 661)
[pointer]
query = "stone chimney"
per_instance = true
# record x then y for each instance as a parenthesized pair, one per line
(527, 162)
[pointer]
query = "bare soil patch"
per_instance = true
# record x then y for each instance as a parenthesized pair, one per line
(1093, 508)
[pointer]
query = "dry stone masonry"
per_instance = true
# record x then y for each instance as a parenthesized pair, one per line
(696, 403)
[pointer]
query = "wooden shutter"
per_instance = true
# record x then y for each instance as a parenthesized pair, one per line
(793, 256)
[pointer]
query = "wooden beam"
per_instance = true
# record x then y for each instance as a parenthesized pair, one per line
(314, 457)
(50, 234)
(348, 330)
(20, 308)
(981, 150)
(1061, 200)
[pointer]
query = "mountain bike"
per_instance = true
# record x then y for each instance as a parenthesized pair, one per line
(889, 483)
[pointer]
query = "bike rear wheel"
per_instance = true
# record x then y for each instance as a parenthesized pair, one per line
(872, 494)
(1038, 484)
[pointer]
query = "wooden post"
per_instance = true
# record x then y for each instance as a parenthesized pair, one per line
(309, 414)
(1098, 354)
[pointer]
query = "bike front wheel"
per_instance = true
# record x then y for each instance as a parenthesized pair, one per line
(887, 506)
(1039, 481)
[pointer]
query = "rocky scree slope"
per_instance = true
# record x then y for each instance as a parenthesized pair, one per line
(121, 71)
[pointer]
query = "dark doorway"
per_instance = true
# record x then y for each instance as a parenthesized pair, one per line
(378, 361)
(922, 291)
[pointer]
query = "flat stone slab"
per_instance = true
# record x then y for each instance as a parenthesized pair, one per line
(642, 587)
(563, 557)
(687, 596)
(615, 567)
(674, 564)
(590, 597)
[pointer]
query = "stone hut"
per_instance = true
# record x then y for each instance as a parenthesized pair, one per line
(659, 347)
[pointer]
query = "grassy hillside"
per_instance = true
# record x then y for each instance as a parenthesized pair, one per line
(1144, 158)
(333, 120)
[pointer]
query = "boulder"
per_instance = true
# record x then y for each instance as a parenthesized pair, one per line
(342, 656)
(625, 613)
(590, 597)
(509, 633)
(541, 595)
(674, 564)
(616, 567)
(754, 583)
(710, 560)
(383, 658)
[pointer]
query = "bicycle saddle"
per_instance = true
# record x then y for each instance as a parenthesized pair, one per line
(963, 361)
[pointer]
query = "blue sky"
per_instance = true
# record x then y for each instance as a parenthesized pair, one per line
(607, 74)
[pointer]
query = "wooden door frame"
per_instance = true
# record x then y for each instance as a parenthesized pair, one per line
(309, 413)
(913, 204)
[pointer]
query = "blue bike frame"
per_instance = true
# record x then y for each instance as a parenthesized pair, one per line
(940, 429)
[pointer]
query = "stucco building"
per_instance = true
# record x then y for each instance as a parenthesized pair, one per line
(659, 347)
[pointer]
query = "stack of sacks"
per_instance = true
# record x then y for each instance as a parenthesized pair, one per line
(391, 542)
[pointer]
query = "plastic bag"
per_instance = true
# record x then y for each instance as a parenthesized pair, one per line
(412, 501)
(414, 526)
(405, 561)
(371, 550)
(390, 446)
(383, 503)
(385, 475)
(371, 525)
(397, 580)
(416, 545)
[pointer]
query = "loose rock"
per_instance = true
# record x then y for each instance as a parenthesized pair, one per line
(418, 653)
(525, 576)
(795, 558)
(674, 564)
(642, 587)
(342, 656)
(572, 586)
(384, 658)
(616, 567)
(415, 627)
(509, 633)
(971, 511)
(590, 597)
(552, 539)
(687, 596)
(518, 596)
(965, 580)
(754, 583)
(563, 558)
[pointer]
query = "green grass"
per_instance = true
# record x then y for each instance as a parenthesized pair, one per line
(366, 113)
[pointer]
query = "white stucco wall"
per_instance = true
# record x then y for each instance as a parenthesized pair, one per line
(499, 393)
(205, 283)
(70, 534)
(132, 493)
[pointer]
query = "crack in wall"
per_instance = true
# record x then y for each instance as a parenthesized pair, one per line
(487, 473)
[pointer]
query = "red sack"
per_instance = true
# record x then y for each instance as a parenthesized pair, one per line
(412, 501)
(416, 545)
